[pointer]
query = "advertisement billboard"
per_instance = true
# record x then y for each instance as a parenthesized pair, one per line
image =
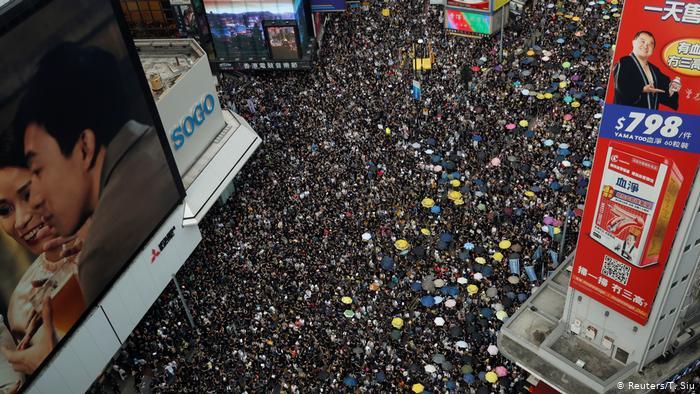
(467, 23)
(327, 5)
(282, 39)
(645, 160)
(80, 137)
(236, 25)
(479, 5)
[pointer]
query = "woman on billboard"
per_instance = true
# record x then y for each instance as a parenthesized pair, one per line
(40, 310)
(639, 83)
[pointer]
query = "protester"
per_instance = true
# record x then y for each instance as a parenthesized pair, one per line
(351, 166)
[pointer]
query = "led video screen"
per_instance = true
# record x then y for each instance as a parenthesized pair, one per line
(283, 42)
(236, 25)
(468, 22)
(481, 5)
(84, 177)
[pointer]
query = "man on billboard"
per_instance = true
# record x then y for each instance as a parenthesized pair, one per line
(87, 159)
(639, 83)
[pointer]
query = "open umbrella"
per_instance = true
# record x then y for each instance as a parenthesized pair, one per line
(417, 388)
(416, 286)
(387, 263)
(439, 321)
(566, 65)
(548, 142)
(401, 244)
(439, 283)
(451, 303)
(435, 209)
(462, 280)
(397, 322)
(468, 246)
(501, 315)
(427, 202)
(524, 123)
(481, 207)
(461, 344)
(429, 368)
(498, 256)
(510, 126)
(349, 313)
(395, 335)
(427, 301)
(487, 312)
(492, 350)
(455, 183)
(478, 276)
(505, 244)
(501, 371)
(366, 236)
(346, 300)
(491, 377)
(350, 381)
(480, 260)
(472, 289)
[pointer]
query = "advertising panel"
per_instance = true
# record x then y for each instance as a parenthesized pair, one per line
(236, 25)
(282, 40)
(327, 5)
(468, 23)
(480, 5)
(646, 157)
(497, 4)
(80, 137)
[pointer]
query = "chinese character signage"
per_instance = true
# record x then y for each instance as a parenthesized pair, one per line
(646, 157)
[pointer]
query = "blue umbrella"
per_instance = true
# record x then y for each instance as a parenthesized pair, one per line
(522, 297)
(350, 381)
(568, 99)
(463, 255)
(416, 286)
(435, 209)
(487, 312)
(587, 163)
(548, 142)
(478, 182)
(482, 376)
(451, 384)
(442, 245)
(380, 377)
(487, 270)
(456, 175)
(560, 40)
(427, 301)
(529, 133)
(431, 141)
(563, 152)
(435, 158)
(387, 263)
(468, 246)
(446, 237)
(536, 189)
(452, 290)
(469, 378)
(476, 138)
(555, 185)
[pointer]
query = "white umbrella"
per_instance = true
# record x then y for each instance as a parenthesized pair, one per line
(415, 145)
(430, 368)
(451, 303)
(478, 276)
(439, 321)
(366, 236)
(492, 350)
(429, 151)
(439, 283)
(438, 299)
(461, 345)
(437, 168)
(566, 163)
(462, 280)
(497, 307)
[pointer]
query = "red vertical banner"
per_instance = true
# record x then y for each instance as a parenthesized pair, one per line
(646, 157)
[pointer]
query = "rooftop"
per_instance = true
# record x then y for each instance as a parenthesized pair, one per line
(168, 59)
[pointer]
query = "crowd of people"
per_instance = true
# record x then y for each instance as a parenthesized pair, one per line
(376, 243)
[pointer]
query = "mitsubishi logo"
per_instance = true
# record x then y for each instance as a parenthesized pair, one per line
(154, 255)
(163, 243)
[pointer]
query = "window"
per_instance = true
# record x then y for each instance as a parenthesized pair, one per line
(671, 311)
(674, 284)
(621, 355)
(652, 346)
(662, 317)
(687, 247)
(684, 278)
(660, 340)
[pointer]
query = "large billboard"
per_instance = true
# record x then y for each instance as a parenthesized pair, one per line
(327, 5)
(459, 21)
(646, 157)
(236, 25)
(480, 5)
(84, 176)
(282, 39)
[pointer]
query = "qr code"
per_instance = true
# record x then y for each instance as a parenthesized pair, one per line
(616, 270)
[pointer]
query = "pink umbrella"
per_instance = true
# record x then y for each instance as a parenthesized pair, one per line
(501, 371)
(495, 162)
(548, 220)
(556, 223)
(568, 117)
(510, 126)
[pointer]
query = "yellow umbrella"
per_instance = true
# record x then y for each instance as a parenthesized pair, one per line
(562, 84)
(459, 201)
(401, 244)
(576, 19)
(575, 104)
(481, 260)
(425, 231)
(557, 230)
(472, 289)
(388, 131)
(454, 195)
(491, 377)
(498, 256)
(548, 96)
(397, 323)
(500, 315)
(385, 12)
(530, 193)
(346, 300)
(427, 202)
(505, 244)
(455, 182)
(530, 52)
(568, 16)
(540, 96)
(524, 123)
(418, 388)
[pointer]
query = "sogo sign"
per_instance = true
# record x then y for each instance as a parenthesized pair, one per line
(190, 122)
